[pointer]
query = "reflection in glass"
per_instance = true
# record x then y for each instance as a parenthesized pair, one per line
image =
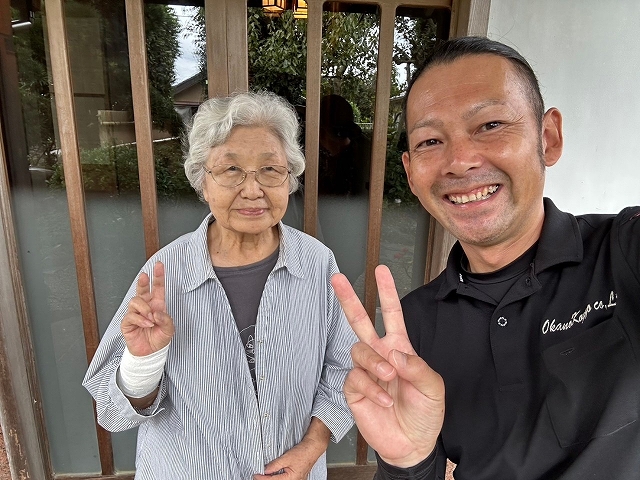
(404, 221)
(46, 251)
(348, 89)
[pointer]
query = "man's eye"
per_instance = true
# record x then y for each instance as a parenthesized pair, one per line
(427, 143)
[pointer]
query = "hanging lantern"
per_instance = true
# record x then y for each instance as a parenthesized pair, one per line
(274, 6)
(301, 9)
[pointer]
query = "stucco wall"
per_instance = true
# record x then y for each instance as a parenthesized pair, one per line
(587, 56)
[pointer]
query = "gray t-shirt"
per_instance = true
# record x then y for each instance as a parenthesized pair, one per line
(243, 286)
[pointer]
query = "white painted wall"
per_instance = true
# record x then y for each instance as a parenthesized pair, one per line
(587, 57)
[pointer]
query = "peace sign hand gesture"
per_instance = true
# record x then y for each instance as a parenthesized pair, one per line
(146, 326)
(396, 399)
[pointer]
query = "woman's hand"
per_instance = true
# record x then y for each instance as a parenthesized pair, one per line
(296, 463)
(146, 327)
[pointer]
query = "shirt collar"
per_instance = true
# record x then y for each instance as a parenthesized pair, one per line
(200, 269)
(560, 242)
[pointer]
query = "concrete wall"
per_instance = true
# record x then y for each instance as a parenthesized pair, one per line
(587, 57)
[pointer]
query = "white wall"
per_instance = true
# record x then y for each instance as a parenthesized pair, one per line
(587, 57)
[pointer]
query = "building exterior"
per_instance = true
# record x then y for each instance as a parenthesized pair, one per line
(90, 180)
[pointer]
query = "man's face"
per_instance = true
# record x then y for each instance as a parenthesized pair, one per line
(476, 153)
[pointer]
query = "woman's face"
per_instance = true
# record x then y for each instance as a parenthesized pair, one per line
(249, 208)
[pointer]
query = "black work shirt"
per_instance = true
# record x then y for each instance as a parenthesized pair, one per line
(544, 384)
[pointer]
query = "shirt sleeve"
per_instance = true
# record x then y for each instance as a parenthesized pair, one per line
(431, 468)
(114, 412)
(329, 404)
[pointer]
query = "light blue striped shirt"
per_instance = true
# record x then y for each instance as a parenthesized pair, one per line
(207, 422)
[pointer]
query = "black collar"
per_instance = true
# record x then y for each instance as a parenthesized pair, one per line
(560, 242)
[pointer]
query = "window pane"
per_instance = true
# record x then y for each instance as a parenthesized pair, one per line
(46, 249)
(405, 223)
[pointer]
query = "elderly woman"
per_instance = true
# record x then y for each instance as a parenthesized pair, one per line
(230, 349)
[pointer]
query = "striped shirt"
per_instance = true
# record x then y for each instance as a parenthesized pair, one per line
(206, 422)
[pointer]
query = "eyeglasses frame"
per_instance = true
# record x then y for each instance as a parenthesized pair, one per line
(245, 173)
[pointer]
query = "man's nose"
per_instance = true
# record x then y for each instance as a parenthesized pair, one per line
(461, 156)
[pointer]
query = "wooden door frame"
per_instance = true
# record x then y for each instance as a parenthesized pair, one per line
(21, 414)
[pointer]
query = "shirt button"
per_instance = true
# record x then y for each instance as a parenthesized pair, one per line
(262, 378)
(266, 415)
(502, 322)
(528, 281)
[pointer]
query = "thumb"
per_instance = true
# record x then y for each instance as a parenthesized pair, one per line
(165, 322)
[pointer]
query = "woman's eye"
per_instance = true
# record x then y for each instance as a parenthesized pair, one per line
(492, 125)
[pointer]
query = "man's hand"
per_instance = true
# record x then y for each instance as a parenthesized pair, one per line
(397, 400)
(146, 327)
(296, 463)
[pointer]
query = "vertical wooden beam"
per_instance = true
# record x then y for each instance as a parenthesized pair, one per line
(65, 109)
(469, 17)
(237, 52)
(439, 244)
(312, 131)
(215, 14)
(378, 161)
(142, 116)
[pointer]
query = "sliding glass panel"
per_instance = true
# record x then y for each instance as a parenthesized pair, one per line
(44, 232)
(179, 209)
(348, 95)
(404, 222)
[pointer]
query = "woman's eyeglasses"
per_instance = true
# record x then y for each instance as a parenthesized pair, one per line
(232, 175)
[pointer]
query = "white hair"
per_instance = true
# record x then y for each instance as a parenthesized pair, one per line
(216, 118)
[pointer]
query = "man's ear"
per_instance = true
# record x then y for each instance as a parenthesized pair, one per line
(406, 163)
(552, 140)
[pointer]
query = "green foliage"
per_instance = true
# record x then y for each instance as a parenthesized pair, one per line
(162, 29)
(33, 85)
(395, 178)
(277, 54)
(112, 168)
(115, 170)
(415, 39)
(349, 56)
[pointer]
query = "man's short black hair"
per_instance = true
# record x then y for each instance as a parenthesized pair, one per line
(451, 50)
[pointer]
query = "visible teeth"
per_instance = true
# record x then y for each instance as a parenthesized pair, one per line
(474, 197)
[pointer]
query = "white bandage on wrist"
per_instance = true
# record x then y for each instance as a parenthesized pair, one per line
(137, 377)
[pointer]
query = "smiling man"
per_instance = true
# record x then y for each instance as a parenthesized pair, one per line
(520, 361)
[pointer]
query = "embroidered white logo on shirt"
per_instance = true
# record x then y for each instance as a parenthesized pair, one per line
(578, 317)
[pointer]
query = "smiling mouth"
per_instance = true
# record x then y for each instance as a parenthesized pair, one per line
(480, 194)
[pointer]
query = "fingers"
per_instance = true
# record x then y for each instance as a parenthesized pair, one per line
(143, 285)
(353, 309)
(390, 302)
(139, 305)
(158, 282)
(415, 370)
(132, 321)
(362, 381)
(359, 385)
(367, 358)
